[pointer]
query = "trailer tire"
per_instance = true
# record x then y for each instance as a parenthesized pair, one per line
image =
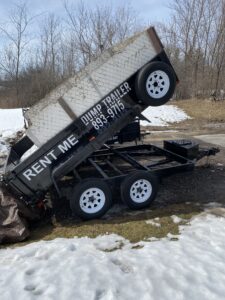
(155, 83)
(91, 199)
(139, 189)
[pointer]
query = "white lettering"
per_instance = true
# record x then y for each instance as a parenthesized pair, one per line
(99, 108)
(94, 111)
(122, 88)
(113, 97)
(37, 168)
(29, 173)
(40, 165)
(65, 146)
(52, 154)
(127, 87)
(84, 120)
(117, 93)
(45, 161)
(72, 139)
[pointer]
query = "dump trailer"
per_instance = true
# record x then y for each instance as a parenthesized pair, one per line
(70, 127)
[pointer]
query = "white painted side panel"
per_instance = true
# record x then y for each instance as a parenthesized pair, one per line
(123, 64)
(81, 92)
(81, 97)
(51, 117)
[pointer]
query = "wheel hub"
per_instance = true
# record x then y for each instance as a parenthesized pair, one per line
(140, 190)
(92, 200)
(157, 84)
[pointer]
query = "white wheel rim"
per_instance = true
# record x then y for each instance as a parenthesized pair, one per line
(140, 191)
(157, 84)
(92, 200)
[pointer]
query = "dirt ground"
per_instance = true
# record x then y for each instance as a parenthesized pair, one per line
(183, 195)
(207, 182)
(203, 185)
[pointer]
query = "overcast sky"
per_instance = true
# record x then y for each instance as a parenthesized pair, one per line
(150, 10)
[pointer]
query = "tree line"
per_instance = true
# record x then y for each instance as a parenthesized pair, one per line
(40, 51)
(195, 42)
(37, 52)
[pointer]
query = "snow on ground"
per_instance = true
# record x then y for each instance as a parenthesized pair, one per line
(192, 267)
(153, 222)
(176, 219)
(11, 120)
(3, 147)
(162, 115)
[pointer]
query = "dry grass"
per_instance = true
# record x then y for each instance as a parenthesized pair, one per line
(132, 227)
(203, 110)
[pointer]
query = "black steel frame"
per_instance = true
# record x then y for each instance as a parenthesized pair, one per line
(166, 163)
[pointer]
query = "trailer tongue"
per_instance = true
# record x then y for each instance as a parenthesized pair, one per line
(71, 128)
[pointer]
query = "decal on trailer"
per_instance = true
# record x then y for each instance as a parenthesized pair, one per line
(40, 165)
(99, 116)
(109, 108)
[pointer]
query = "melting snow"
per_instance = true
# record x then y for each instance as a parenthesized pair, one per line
(193, 267)
(162, 115)
(176, 219)
(11, 120)
(153, 222)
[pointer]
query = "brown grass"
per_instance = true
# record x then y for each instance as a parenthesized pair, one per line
(132, 227)
(203, 110)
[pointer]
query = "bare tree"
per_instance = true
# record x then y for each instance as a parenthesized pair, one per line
(61, 48)
(16, 33)
(195, 38)
(95, 30)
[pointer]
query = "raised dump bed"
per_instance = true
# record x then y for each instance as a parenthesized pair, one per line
(108, 79)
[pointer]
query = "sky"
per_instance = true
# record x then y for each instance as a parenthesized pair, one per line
(149, 10)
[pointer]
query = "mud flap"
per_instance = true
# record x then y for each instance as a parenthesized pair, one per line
(14, 217)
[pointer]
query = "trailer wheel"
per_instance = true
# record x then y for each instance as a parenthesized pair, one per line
(91, 199)
(139, 189)
(155, 83)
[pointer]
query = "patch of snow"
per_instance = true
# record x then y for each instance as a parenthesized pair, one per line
(162, 131)
(176, 219)
(219, 165)
(29, 152)
(112, 242)
(172, 236)
(162, 115)
(213, 205)
(192, 267)
(217, 211)
(11, 120)
(151, 222)
(3, 148)
(152, 239)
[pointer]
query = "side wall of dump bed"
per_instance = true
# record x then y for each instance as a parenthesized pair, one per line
(74, 97)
